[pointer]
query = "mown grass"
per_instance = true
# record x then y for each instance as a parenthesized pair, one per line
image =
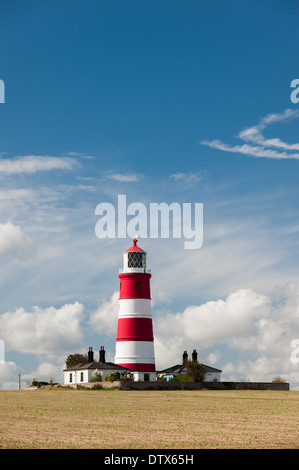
(113, 419)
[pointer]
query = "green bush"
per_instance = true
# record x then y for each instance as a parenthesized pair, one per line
(181, 378)
(112, 377)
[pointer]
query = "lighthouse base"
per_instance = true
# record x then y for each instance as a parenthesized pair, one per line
(138, 357)
(144, 376)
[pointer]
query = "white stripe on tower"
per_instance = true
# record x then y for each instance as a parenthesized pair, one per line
(135, 308)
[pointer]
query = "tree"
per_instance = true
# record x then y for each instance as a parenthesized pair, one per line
(195, 370)
(279, 380)
(74, 359)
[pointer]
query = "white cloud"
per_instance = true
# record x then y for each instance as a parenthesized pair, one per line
(263, 369)
(254, 151)
(262, 147)
(13, 239)
(245, 321)
(45, 371)
(43, 331)
(213, 357)
(34, 163)
(129, 178)
(168, 348)
(248, 321)
(189, 177)
(277, 117)
(15, 194)
(81, 155)
(219, 321)
(9, 375)
(104, 319)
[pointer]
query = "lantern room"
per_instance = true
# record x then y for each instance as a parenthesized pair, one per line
(134, 260)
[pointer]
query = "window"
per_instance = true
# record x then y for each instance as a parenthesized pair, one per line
(146, 377)
(137, 284)
(136, 260)
(82, 377)
(71, 377)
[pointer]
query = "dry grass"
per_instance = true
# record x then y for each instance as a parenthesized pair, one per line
(114, 419)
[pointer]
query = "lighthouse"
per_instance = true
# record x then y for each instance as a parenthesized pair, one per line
(135, 340)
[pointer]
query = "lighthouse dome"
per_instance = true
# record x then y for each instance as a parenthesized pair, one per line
(135, 248)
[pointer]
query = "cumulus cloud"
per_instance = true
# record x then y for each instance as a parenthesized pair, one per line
(168, 348)
(213, 357)
(10, 371)
(13, 239)
(260, 326)
(104, 319)
(256, 144)
(230, 321)
(44, 372)
(43, 331)
(34, 163)
(9, 375)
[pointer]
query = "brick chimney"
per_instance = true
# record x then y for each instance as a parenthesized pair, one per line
(185, 356)
(90, 354)
(194, 355)
(102, 355)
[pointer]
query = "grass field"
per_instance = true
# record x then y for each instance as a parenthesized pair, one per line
(113, 419)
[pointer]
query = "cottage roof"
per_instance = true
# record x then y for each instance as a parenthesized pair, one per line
(179, 368)
(96, 365)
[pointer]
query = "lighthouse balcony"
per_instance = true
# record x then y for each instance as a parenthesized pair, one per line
(134, 270)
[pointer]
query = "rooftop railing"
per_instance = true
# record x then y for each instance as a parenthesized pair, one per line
(134, 270)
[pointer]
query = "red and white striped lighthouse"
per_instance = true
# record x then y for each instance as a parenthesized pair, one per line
(135, 339)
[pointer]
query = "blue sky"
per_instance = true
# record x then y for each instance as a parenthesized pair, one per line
(168, 101)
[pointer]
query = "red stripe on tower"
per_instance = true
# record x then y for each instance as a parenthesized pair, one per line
(134, 286)
(135, 339)
(135, 329)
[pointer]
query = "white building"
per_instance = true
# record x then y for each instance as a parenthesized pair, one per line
(84, 372)
(211, 375)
